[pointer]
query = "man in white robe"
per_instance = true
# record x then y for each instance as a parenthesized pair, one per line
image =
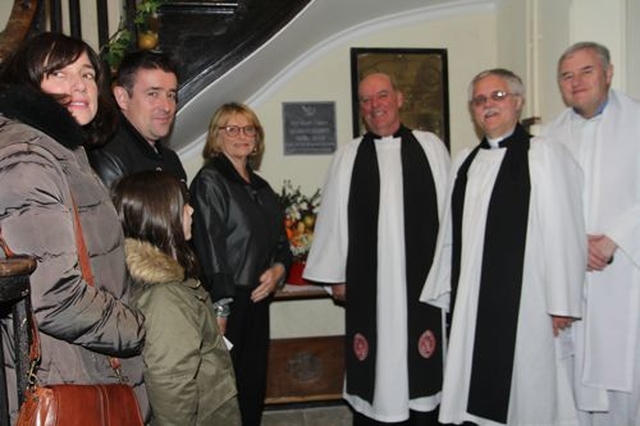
(509, 336)
(601, 128)
(388, 395)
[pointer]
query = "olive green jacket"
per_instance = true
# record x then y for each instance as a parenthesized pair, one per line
(188, 370)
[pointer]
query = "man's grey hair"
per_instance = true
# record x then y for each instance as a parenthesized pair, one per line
(601, 51)
(392, 79)
(513, 81)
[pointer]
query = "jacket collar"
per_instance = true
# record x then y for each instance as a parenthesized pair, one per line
(138, 139)
(226, 169)
(42, 112)
(148, 265)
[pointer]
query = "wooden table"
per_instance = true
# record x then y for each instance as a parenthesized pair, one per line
(305, 369)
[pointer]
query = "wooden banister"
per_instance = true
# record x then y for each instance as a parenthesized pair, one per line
(23, 14)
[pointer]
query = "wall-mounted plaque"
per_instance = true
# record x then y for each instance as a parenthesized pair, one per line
(309, 127)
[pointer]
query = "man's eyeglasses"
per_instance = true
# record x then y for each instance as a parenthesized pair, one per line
(497, 96)
(234, 131)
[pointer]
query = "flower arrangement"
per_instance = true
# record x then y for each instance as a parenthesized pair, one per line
(300, 213)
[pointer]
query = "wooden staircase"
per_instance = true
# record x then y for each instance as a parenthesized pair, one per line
(210, 38)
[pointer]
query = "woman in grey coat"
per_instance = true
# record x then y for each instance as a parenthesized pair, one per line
(50, 107)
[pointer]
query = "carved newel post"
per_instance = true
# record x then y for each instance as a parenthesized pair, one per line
(15, 309)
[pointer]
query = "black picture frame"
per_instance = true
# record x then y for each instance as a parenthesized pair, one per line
(421, 74)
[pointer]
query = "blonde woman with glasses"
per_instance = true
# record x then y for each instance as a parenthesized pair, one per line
(241, 244)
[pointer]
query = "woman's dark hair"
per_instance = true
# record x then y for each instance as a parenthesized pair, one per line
(41, 55)
(150, 205)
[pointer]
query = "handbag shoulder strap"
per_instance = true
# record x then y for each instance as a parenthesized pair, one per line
(83, 253)
(8, 253)
(87, 274)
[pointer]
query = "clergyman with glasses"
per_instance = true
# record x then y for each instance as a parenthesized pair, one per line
(241, 245)
(509, 268)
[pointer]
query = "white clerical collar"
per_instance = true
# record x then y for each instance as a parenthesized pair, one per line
(578, 119)
(495, 142)
(397, 134)
(596, 116)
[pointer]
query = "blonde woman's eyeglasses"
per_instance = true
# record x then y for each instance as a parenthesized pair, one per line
(234, 131)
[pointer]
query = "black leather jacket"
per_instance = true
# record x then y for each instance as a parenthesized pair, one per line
(129, 153)
(238, 228)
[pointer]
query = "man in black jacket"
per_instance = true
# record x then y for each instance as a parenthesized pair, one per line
(146, 92)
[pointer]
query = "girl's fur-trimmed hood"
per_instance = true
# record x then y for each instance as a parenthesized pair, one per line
(148, 265)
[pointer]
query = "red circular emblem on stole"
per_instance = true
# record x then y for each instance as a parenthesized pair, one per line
(427, 344)
(360, 347)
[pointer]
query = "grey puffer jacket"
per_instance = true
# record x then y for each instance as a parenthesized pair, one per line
(188, 370)
(43, 170)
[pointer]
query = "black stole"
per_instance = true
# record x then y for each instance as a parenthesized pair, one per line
(421, 228)
(501, 277)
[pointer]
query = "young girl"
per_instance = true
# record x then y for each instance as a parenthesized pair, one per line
(188, 371)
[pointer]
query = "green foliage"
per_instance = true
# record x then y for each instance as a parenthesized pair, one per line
(144, 10)
(123, 40)
(118, 45)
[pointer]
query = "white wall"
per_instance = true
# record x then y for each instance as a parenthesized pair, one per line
(532, 34)
(471, 45)
(613, 23)
(526, 36)
(5, 10)
(631, 47)
(470, 40)
(603, 22)
(514, 41)
(552, 36)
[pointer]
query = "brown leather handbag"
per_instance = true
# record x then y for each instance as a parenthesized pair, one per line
(78, 405)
